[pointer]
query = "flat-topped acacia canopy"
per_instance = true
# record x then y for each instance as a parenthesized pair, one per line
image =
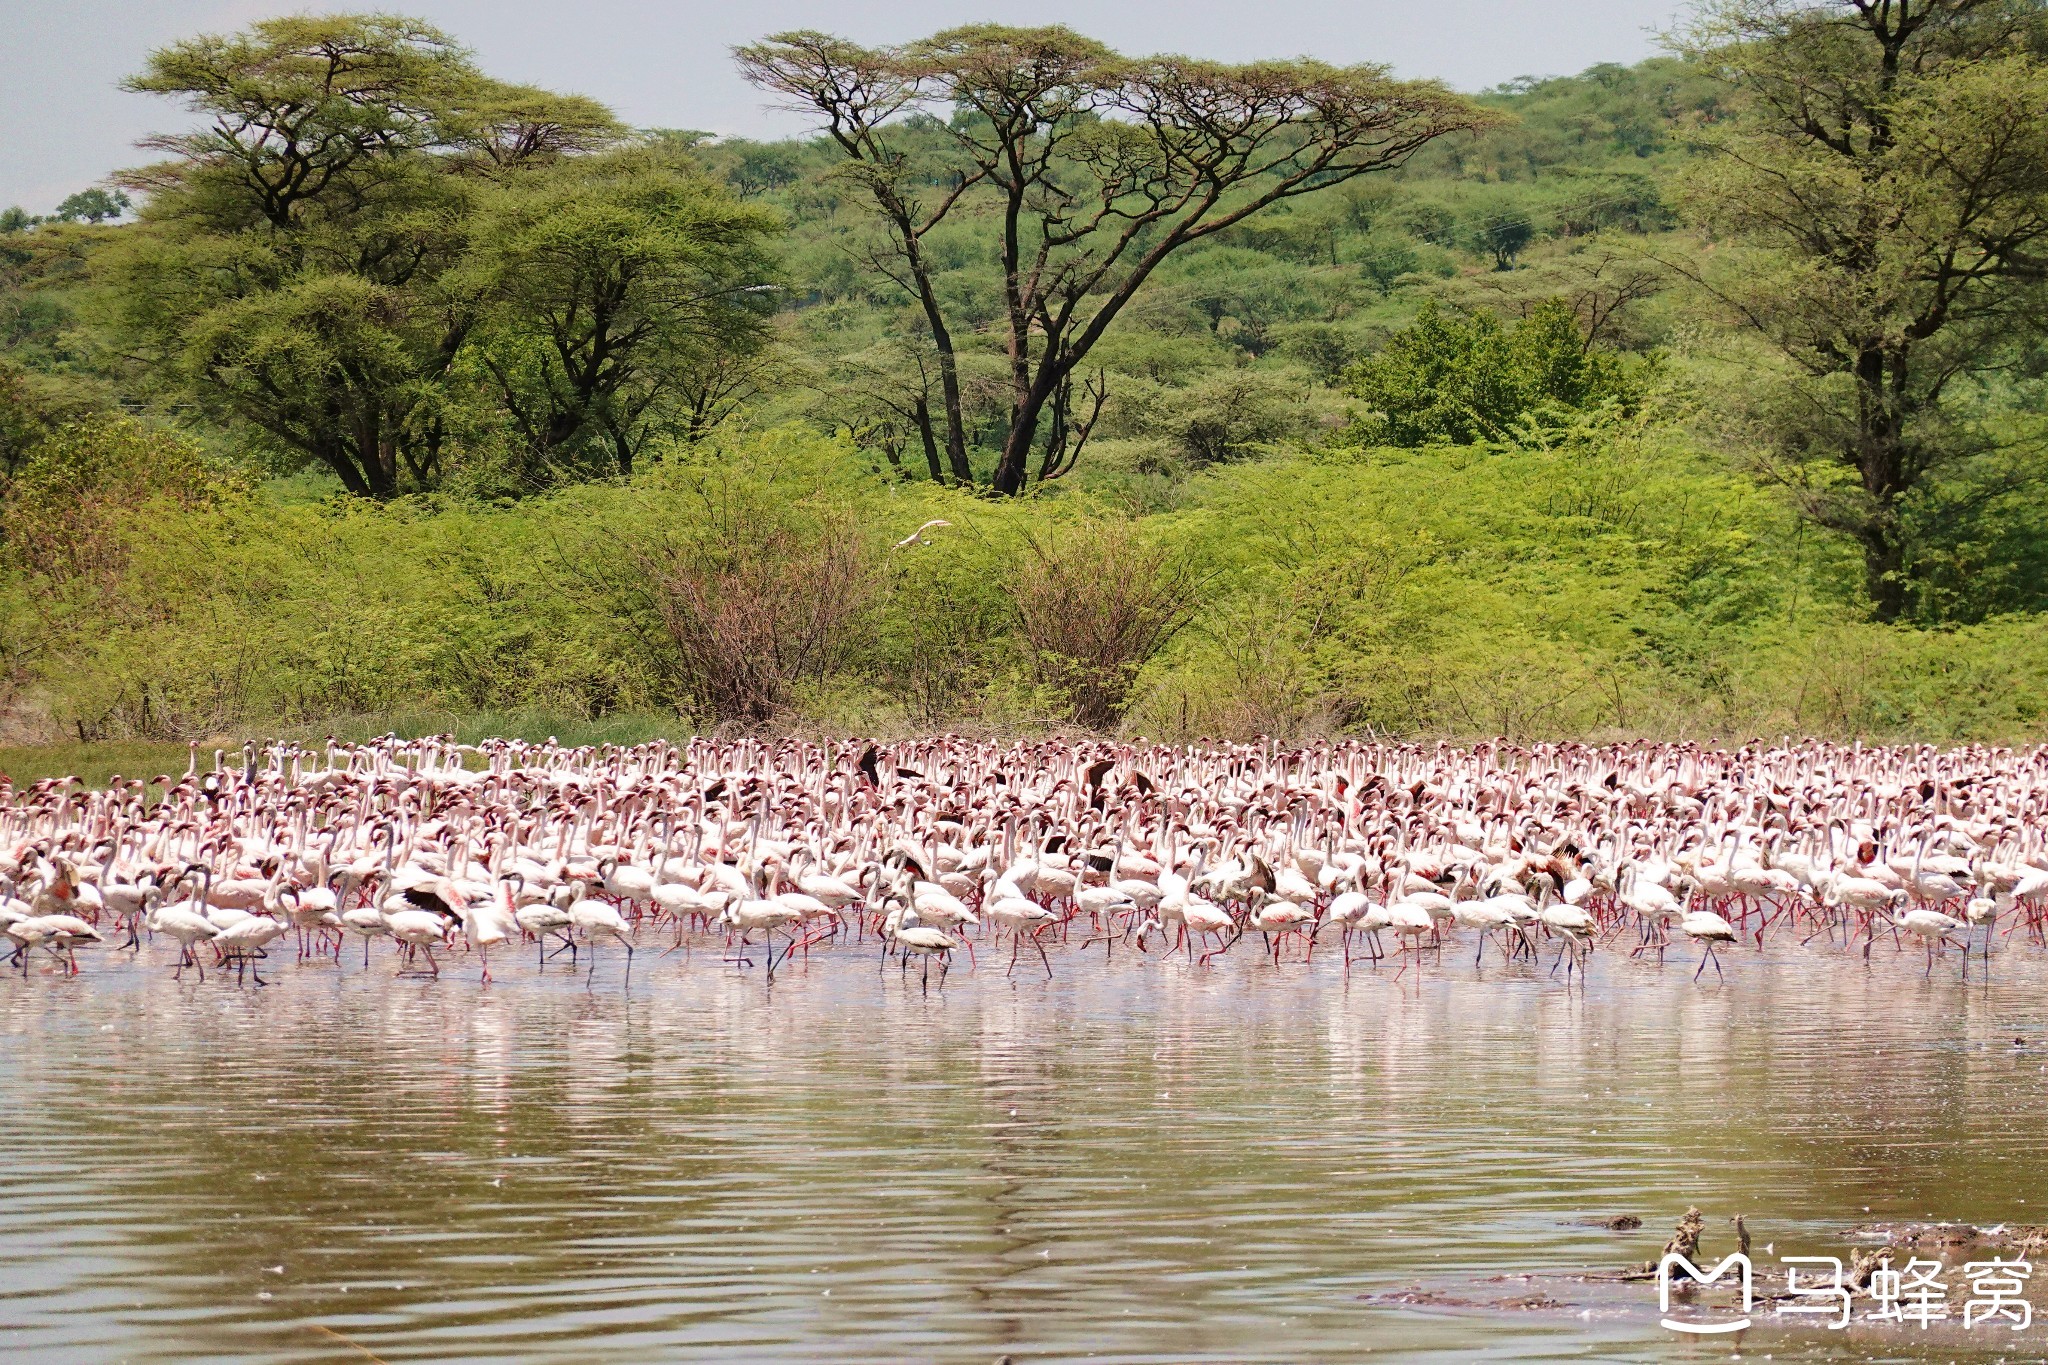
(1090, 169)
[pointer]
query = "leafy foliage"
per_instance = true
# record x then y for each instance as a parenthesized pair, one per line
(1888, 183)
(1095, 604)
(1412, 453)
(66, 503)
(1614, 582)
(1458, 378)
(758, 592)
(94, 205)
(374, 257)
(602, 290)
(1091, 170)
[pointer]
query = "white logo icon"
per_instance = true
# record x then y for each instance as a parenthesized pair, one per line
(1675, 1261)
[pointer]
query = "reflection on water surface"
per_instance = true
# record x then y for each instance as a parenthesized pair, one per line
(1134, 1161)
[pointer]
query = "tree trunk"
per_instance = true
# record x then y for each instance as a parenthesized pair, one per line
(1884, 570)
(357, 446)
(1880, 459)
(335, 456)
(382, 482)
(1012, 467)
(942, 342)
(922, 413)
(956, 418)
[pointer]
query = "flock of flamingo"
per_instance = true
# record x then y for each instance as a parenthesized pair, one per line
(765, 849)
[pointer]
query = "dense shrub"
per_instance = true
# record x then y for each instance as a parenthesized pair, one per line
(752, 588)
(1095, 603)
(1611, 581)
(1455, 378)
(67, 499)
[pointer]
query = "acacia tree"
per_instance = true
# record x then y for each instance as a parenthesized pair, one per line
(612, 291)
(1089, 168)
(1504, 236)
(290, 267)
(1886, 188)
(883, 395)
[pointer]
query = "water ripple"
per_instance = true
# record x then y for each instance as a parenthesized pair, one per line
(1134, 1161)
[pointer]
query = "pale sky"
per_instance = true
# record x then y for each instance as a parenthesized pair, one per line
(63, 125)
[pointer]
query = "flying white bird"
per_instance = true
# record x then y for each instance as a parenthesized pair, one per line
(917, 537)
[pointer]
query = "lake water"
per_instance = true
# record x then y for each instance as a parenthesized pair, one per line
(1135, 1161)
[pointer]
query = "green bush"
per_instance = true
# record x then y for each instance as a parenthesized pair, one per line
(65, 503)
(1456, 378)
(1610, 581)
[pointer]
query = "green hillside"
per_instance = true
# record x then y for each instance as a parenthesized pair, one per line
(1483, 442)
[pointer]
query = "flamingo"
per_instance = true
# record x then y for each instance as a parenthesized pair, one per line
(1012, 910)
(1574, 926)
(1709, 930)
(596, 919)
(243, 942)
(490, 920)
(186, 922)
(926, 942)
(975, 839)
(1275, 918)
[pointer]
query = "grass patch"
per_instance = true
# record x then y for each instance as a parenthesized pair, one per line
(94, 763)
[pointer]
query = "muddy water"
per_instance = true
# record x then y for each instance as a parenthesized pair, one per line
(1134, 1161)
